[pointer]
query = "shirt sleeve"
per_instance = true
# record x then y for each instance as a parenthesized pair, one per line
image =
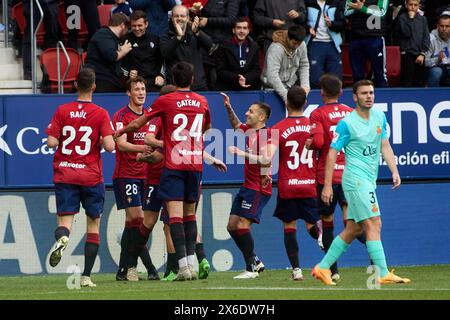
(341, 136)
(154, 110)
(107, 128)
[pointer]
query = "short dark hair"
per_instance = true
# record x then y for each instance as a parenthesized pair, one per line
(361, 83)
(168, 88)
(117, 19)
(296, 98)
(243, 19)
(135, 80)
(296, 32)
(330, 84)
(265, 108)
(85, 79)
(138, 14)
(182, 74)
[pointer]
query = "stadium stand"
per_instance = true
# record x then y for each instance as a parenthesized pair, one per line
(49, 66)
(104, 12)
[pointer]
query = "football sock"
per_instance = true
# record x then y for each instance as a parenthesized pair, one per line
(190, 234)
(337, 248)
(291, 245)
(146, 259)
(200, 252)
(90, 252)
(376, 253)
(362, 238)
(327, 239)
(124, 250)
(178, 237)
(246, 240)
(136, 242)
(172, 264)
(313, 232)
(60, 232)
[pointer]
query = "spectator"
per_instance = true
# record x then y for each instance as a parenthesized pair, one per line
(103, 55)
(52, 31)
(122, 6)
(145, 59)
(368, 27)
(237, 60)
(217, 17)
(157, 13)
(437, 59)
(183, 42)
(286, 60)
(272, 15)
(91, 18)
(414, 37)
(325, 22)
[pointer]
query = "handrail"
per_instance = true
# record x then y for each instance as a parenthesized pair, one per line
(58, 61)
(6, 22)
(34, 45)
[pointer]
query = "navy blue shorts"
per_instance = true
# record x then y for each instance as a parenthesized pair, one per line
(288, 210)
(177, 185)
(249, 204)
(338, 197)
(128, 192)
(69, 196)
(151, 201)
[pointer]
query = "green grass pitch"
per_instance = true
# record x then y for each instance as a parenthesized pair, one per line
(428, 282)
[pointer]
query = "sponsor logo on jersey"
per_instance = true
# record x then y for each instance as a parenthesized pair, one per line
(66, 164)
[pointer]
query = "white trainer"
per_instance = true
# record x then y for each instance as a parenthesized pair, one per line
(297, 274)
(132, 274)
(183, 274)
(86, 281)
(247, 275)
(58, 248)
(194, 274)
(259, 267)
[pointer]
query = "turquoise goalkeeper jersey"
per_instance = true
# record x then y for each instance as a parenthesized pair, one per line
(361, 141)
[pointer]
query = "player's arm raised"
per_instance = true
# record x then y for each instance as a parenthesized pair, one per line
(133, 126)
(234, 120)
(388, 155)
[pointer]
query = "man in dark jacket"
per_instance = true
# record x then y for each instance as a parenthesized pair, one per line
(237, 61)
(104, 54)
(157, 12)
(183, 43)
(145, 59)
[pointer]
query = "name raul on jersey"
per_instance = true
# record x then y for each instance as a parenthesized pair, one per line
(188, 103)
(294, 129)
(78, 114)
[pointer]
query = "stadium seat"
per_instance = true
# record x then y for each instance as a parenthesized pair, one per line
(393, 63)
(17, 15)
(62, 20)
(104, 13)
(49, 66)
